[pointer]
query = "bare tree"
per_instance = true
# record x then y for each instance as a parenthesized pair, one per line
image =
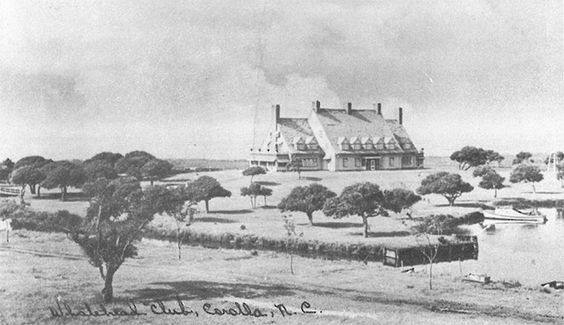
(292, 235)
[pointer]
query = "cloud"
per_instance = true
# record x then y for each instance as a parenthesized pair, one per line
(182, 66)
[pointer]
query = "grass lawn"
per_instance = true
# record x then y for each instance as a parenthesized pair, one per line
(230, 214)
(39, 268)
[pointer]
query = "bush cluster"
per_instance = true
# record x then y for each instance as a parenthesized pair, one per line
(25, 218)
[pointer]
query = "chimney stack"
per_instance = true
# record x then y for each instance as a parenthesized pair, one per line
(276, 113)
(379, 108)
(400, 116)
(316, 106)
(349, 108)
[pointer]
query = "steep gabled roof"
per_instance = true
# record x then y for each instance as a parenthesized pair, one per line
(297, 130)
(360, 124)
(401, 135)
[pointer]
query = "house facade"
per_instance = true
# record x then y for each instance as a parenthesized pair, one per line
(337, 140)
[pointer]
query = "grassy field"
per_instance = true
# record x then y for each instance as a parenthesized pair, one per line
(230, 214)
(37, 269)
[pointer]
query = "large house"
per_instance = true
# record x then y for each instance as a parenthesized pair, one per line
(337, 139)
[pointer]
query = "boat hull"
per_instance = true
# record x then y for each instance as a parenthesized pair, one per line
(514, 218)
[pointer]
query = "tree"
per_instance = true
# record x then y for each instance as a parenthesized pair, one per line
(34, 161)
(469, 156)
(175, 202)
(28, 175)
(95, 169)
(63, 174)
(5, 175)
(254, 171)
(8, 164)
(108, 157)
(118, 213)
(428, 233)
(526, 174)
(253, 191)
(522, 157)
(156, 169)
(398, 199)
(362, 199)
(6, 167)
(132, 163)
(482, 170)
(451, 186)
(492, 180)
(296, 166)
(292, 234)
(204, 189)
(306, 199)
(560, 174)
(492, 156)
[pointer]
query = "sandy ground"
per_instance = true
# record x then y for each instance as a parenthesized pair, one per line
(36, 268)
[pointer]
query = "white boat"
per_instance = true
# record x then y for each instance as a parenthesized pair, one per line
(515, 215)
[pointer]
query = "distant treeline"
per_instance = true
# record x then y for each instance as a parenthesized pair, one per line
(196, 165)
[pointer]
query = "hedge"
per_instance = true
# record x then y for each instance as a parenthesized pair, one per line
(306, 248)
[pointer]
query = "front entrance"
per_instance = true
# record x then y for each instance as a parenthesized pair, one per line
(372, 163)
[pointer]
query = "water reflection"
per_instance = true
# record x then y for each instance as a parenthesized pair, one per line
(528, 253)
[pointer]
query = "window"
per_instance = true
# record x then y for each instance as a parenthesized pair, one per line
(368, 146)
(344, 146)
(309, 162)
(345, 162)
(357, 162)
(391, 161)
(313, 146)
(406, 160)
(357, 146)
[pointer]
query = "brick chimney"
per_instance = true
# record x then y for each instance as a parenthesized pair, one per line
(400, 116)
(276, 113)
(316, 106)
(349, 108)
(379, 108)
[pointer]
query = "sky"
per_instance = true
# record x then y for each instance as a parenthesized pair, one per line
(196, 79)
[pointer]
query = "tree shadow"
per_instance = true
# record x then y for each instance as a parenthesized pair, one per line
(206, 290)
(468, 205)
(311, 178)
(377, 234)
(337, 225)
(543, 192)
(266, 183)
(269, 207)
(214, 220)
(242, 211)
(69, 197)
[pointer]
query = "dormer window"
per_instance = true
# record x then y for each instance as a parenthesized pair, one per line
(380, 144)
(299, 143)
(355, 143)
(367, 143)
(311, 143)
(391, 144)
(343, 143)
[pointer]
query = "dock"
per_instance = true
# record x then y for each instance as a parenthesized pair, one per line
(457, 248)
